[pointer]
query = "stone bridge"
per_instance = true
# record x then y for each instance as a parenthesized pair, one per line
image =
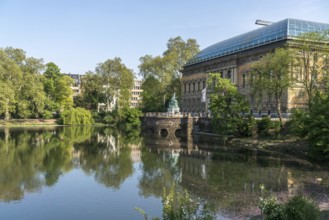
(174, 125)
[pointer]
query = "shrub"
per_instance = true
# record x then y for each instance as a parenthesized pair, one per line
(47, 114)
(268, 127)
(272, 209)
(301, 208)
(297, 208)
(75, 116)
(247, 126)
(180, 205)
(297, 123)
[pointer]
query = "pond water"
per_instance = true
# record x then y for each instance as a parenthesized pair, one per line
(99, 173)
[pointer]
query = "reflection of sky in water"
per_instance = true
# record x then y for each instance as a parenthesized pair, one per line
(76, 173)
(78, 196)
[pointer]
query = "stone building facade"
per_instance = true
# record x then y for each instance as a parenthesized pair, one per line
(136, 92)
(233, 58)
(76, 86)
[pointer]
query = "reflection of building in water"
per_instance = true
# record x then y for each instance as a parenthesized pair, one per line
(169, 143)
(228, 178)
(135, 152)
(111, 143)
(109, 140)
(76, 157)
(136, 91)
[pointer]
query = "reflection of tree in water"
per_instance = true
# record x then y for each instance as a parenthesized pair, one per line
(36, 157)
(159, 170)
(232, 179)
(107, 156)
(31, 158)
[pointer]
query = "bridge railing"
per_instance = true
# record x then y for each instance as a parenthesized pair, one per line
(177, 114)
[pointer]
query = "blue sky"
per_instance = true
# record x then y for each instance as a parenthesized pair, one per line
(78, 34)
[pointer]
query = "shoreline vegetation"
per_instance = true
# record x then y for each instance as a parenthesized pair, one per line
(28, 122)
(284, 146)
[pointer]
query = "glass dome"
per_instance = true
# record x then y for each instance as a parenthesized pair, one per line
(282, 30)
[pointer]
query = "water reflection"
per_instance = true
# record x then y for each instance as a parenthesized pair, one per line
(231, 179)
(33, 158)
(108, 157)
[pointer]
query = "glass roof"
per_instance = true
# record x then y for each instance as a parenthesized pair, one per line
(285, 29)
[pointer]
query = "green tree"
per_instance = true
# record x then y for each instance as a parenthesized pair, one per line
(7, 100)
(117, 82)
(10, 84)
(317, 125)
(151, 94)
(272, 75)
(58, 88)
(76, 116)
(29, 85)
(226, 105)
(92, 90)
(166, 69)
(311, 55)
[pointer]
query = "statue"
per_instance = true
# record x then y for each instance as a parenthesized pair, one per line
(173, 105)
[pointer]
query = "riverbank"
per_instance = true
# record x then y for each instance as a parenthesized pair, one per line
(285, 146)
(27, 122)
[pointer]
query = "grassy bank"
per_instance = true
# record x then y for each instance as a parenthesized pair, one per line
(27, 122)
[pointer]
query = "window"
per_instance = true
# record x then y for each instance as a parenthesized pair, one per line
(199, 86)
(193, 87)
(243, 80)
(185, 88)
(203, 84)
(229, 74)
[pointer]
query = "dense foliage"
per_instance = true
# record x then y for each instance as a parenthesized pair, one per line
(311, 63)
(76, 116)
(297, 208)
(177, 204)
(162, 75)
(227, 106)
(271, 76)
(268, 127)
(124, 118)
(31, 89)
(313, 125)
(28, 92)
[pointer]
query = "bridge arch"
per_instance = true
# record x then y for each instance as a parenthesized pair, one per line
(164, 133)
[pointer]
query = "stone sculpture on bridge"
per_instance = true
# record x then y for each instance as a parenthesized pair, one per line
(173, 105)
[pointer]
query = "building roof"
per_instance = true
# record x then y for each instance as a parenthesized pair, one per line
(282, 30)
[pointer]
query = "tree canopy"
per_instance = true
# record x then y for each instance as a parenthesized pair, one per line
(272, 76)
(227, 105)
(165, 72)
(117, 82)
(311, 58)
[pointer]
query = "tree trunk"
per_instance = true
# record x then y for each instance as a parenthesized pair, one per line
(7, 114)
(278, 109)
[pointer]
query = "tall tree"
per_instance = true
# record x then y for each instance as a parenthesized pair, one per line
(10, 84)
(28, 84)
(226, 105)
(58, 88)
(272, 75)
(311, 54)
(92, 90)
(151, 94)
(117, 82)
(166, 68)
